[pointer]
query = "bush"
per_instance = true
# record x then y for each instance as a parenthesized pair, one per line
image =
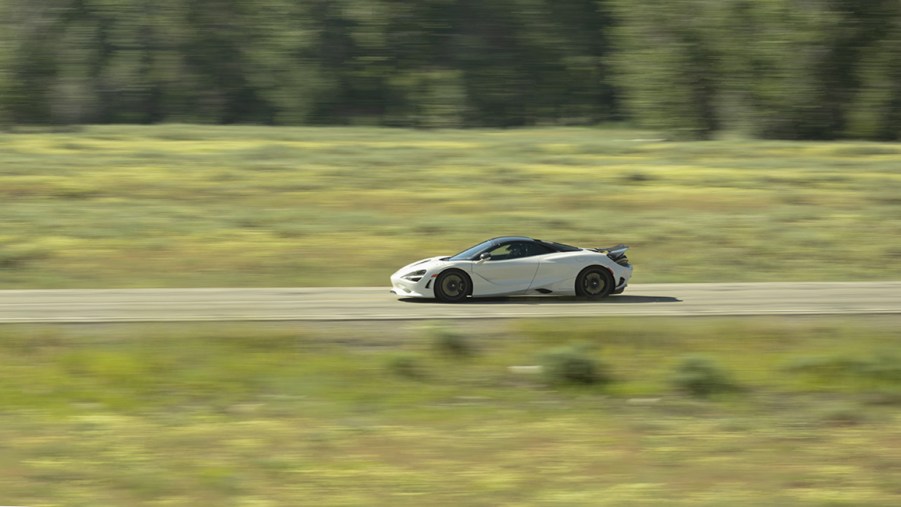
(882, 368)
(843, 415)
(407, 366)
(573, 366)
(701, 377)
(451, 343)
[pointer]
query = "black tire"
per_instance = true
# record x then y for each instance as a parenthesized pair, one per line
(452, 286)
(594, 282)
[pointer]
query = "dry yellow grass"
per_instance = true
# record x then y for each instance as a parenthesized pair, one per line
(180, 205)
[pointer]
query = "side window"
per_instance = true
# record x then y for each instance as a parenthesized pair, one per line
(502, 252)
(531, 249)
(517, 250)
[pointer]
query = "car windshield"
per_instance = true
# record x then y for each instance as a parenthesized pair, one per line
(471, 252)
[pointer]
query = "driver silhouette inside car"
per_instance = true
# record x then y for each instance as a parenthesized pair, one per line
(508, 252)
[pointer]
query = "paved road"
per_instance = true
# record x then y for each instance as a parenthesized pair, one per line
(375, 303)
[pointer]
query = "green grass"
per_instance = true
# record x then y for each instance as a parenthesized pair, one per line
(280, 415)
(180, 205)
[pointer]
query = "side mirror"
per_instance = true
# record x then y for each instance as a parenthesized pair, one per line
(484, 257)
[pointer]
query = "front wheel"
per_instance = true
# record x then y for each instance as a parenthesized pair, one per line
(452, 286)
(594, 283)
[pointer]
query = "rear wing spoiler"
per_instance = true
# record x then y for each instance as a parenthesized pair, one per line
(614, 252)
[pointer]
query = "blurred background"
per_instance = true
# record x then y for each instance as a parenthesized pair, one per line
(791, 69)
(200, 138)
(262, 143)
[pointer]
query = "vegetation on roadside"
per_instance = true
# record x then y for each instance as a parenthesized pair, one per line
(253, 414)
(573, 365)
(702, 377)
(179, 205)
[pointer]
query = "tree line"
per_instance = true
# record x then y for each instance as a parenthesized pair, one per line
(790, 69)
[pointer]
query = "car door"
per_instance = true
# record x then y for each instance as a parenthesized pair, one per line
(509, 269)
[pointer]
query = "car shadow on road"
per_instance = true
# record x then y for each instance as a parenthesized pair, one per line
(534, 300)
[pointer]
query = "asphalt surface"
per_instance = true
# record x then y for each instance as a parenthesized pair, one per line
(377, 304)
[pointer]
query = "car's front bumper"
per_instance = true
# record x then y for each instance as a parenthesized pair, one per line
(409, 289)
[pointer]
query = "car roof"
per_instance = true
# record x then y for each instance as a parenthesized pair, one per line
(501, 239)
(556, 246)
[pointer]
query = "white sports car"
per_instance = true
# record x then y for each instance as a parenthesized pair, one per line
(515, 265)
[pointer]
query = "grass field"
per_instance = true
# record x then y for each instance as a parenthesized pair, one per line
(179, 205)
(805, 410)
(279, 415)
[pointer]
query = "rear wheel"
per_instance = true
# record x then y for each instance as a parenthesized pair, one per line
(452, 286)
(594, 283)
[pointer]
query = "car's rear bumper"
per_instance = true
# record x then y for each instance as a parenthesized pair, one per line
(622, 279)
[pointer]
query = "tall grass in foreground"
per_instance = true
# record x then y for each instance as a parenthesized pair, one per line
(275, 415)
(180, 205)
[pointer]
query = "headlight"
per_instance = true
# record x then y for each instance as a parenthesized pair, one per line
(414, 276)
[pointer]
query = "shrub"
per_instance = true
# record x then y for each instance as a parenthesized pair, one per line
(451, 343)
(407, 366)
(882, 368)
(573, 366)
(18, 256)
(701, 377)
(843, 415)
